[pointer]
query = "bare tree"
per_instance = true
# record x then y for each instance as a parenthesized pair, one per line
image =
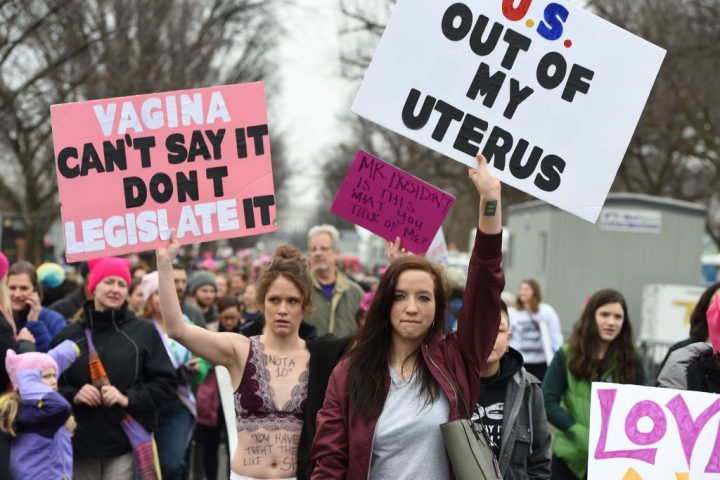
(676, 148)
(57, 51)
(675, 151)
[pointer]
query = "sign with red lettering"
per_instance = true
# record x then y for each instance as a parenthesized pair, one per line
(653, 433)
(537, 86)
(131, 169)
(391, 203)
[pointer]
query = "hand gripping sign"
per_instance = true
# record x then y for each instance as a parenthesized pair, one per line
(548, 92)
(131, 169)
(391, 203)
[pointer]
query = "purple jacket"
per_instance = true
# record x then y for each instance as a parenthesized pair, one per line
(43, 448)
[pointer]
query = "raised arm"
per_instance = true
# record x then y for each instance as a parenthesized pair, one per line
(488, 187)
(227, 349)
(479, 317)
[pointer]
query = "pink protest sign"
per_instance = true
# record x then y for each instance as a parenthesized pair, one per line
(130, 169)
(391, 203)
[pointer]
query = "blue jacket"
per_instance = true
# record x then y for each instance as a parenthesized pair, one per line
(48, 324)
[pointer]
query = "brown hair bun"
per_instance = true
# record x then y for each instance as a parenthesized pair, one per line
(288, 252)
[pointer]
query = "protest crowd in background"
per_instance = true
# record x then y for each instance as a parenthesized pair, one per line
(141, 353)
(186, 414)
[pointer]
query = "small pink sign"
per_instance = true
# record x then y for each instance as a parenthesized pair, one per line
(391, 203)
(130, 169)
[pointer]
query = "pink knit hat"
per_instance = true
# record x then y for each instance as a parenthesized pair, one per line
(150, 284)
(27, 361)
(101, 268)
(713, 321)
(4, 265)
(366, 300)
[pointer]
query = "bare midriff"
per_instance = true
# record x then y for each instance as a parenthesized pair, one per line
(267, 454)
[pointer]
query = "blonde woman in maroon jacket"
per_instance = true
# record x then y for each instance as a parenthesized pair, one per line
(386, 401)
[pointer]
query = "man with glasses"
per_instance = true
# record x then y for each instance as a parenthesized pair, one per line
(335, 298)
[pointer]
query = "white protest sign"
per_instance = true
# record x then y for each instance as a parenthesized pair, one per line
(438, 251)
(653, 433)
(548, 92)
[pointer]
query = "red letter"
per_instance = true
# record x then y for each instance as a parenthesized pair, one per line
(514, 13)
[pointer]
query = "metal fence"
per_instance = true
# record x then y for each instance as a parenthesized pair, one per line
(652, 355)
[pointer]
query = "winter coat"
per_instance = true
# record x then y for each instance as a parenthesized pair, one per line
(42, 447)
(47, 326)
(691, 368)
(325, 353)
(136, 363)
(675, 346)
(344, 441)
(567, 403)
(525, 442)
(69, 305)
(337, 315)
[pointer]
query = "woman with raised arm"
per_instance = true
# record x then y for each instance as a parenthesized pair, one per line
(404, 377)
(268, 372)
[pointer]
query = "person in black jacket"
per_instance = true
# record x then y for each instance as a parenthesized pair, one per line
(70, 304)
(141, 376)
(511, 408)
(325, 353)
(698, 322)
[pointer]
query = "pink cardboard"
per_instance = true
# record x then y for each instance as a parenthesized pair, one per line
(391, 203)
(130, 169)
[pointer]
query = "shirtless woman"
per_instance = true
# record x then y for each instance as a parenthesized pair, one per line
(268, 372)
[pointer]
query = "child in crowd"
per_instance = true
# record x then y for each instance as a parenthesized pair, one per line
(37, 418)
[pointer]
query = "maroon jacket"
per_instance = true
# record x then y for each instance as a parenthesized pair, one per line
(343, 443)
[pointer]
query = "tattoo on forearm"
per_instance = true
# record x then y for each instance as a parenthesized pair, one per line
(491, 208)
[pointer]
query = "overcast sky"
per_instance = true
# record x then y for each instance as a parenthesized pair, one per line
(313, 93)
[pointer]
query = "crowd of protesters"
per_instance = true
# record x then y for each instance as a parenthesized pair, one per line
(110, 367)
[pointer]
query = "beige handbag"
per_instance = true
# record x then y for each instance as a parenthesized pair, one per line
(469, 448)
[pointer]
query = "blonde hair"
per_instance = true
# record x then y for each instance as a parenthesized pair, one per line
(5, 305)
(4, 293)
(9, 408)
